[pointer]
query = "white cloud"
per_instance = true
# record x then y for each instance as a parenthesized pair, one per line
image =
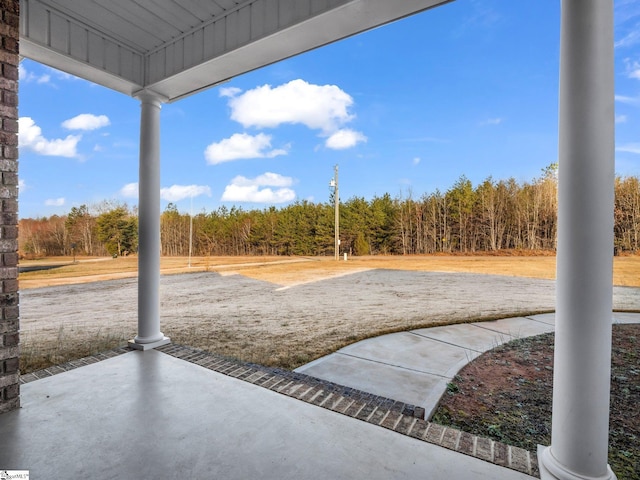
(630, 39)
(48, 78)
(626, 13)
(256, 190)
(239, 146)
(22, 185)
(30, 137)
(175, 193)
(267, 179)
(635, 101)
(130, 190)
(60, 75)
(632, 68)
(26, 76)
(621, 119)
(491, 121)
(319, 107)
(54, 202)
(629, 148)
(345, 138)
(625, 10)
(416, 160)
(325, 108)
(229, 91)
(86, 121)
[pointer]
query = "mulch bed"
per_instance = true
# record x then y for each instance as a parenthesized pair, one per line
(506, 394)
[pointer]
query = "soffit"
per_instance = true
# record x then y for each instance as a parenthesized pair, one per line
(173, 48)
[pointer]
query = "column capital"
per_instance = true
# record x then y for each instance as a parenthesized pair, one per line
(149, 96)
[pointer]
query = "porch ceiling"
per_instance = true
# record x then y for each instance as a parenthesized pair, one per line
(174, 48)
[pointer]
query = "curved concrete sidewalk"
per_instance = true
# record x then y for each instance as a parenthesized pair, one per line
(415, 366)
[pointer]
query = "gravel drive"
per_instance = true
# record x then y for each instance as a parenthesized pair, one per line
(233, 314)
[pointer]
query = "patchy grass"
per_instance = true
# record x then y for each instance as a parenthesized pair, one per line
(287, 350)
(506, 394)
(40, 352)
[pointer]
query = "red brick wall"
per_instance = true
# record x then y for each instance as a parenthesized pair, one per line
(9, 318)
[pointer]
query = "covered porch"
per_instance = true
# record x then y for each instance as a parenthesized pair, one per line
(161, 52)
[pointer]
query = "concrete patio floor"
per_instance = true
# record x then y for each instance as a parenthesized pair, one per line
(152, 415)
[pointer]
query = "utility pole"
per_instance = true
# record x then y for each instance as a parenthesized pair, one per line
(336, 200)
(190, 229)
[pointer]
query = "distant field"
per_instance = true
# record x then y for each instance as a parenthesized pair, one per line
(289, 271)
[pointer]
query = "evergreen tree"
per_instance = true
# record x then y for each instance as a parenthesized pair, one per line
(118, 231)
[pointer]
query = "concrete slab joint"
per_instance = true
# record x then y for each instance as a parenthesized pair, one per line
(9, 310)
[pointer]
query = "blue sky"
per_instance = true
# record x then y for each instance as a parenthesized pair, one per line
(467, 88)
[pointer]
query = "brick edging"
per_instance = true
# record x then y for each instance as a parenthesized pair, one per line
(73, 364)
(391, 414)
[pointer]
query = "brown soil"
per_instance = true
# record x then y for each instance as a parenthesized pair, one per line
(506, 394)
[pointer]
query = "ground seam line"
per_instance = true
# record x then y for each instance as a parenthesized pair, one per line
(446, 343)
(540, 321)
(392, 365)
(512, 337)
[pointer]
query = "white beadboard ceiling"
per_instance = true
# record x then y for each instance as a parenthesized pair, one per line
(174, 48)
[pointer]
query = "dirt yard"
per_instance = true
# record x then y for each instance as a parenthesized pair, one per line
(283, 312)
(506, 394)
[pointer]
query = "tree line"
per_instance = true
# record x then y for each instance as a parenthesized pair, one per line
(491, 216)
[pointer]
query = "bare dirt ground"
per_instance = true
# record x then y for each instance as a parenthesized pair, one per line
(284, 314)
(506, 394)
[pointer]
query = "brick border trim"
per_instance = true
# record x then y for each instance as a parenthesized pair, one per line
(391, 414)
(72, 365)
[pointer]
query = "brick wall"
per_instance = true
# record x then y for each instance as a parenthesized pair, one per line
(9, 319)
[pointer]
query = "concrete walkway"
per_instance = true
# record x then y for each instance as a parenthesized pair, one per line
(415, 366)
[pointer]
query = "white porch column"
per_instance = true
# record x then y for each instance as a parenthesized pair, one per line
(582, 364)
(149, 334)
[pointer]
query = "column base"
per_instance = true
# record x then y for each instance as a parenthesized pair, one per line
(551, 469)
(150, 345)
